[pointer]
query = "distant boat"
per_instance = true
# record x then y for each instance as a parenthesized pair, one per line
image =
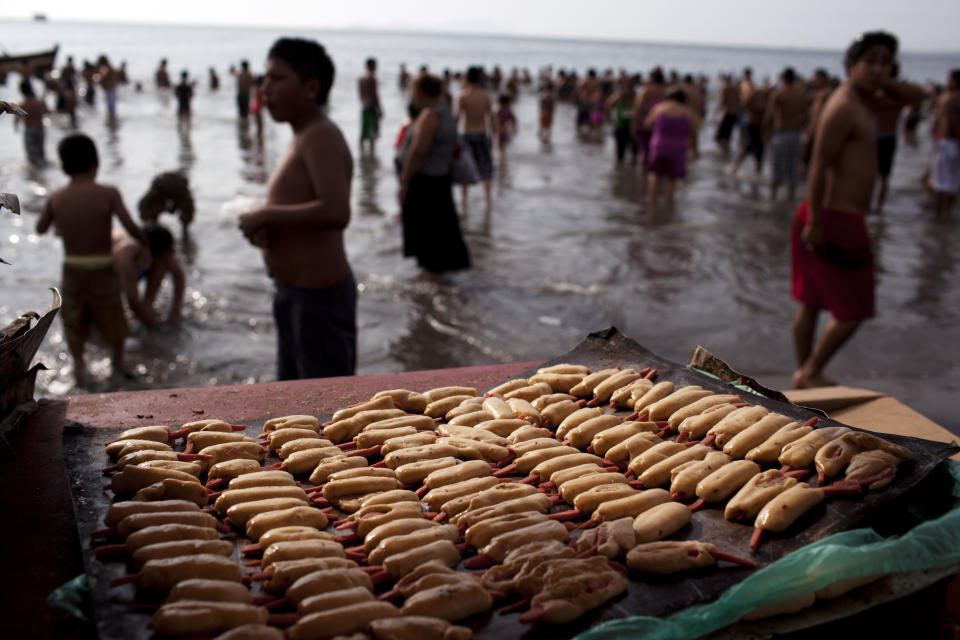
(39, 17)
(29, 64)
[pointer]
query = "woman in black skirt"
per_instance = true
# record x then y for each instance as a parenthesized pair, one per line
(431, 230)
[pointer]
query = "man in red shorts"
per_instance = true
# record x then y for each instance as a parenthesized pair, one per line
(832, 261)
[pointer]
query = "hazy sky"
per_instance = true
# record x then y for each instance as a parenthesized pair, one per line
(922, 25)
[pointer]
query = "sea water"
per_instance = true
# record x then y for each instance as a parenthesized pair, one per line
(570, 246)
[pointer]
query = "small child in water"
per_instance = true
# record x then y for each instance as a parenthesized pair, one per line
(82, 212)
(506, 122)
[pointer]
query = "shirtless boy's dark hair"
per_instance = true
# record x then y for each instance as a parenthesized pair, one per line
(160, 239)
(788, 75)
(656, 76)
(862, 44)
(78, 154)
(371, 64)
(309, 60)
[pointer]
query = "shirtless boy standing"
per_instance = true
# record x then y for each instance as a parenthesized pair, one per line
(82, 212)
(832, 261)
(755, 110)
(300, 229)
(786, 113)
(730, 107)
(371, 112)
(475, 111)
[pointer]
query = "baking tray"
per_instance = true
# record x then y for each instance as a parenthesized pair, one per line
(83, 452)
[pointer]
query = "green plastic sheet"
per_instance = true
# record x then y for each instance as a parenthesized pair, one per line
(74, 597)
(860, 552)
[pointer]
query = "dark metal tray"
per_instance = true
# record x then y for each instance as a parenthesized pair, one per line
(83, 451)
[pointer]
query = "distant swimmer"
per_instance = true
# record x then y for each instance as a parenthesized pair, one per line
(370, 109)
(109, 79)
(819, 90)
(403, 78)
(695, 101)
(587, 89)
(649, 96)
(244, 83)
(730, 108)
(184, 94)
(213, 79)
(300, 228)
(547, 102)
(888, 107)
(162, 78)
(474, 112)
(786, 112)
(620, 107)
(505, 123)
(753, 144)
(34, 133)
(945, 175)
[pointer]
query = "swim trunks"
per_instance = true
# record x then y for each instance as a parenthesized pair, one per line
(945, 176)
(91, 298)
(478, 143)
(787, 145)
(111, 101)
(725, 130)
(886, 146)
(583, 112)
(243, 104)
(369, 123)
(316, 330)
(754, 144)
(33, 138)
(839, 276)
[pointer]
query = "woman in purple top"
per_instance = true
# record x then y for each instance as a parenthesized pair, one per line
(670, 123)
